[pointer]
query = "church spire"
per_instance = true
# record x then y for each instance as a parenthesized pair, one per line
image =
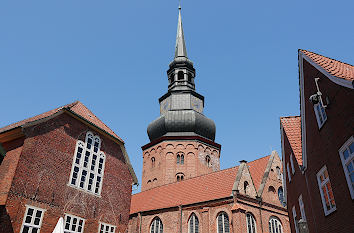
(180, 50)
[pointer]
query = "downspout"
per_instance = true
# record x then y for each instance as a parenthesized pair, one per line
(260, 213)
(180, 226)
(141, 222)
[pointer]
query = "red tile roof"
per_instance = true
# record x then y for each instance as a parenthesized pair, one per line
(257, 169)
(336, 68)
(203, 188)
(76, 107)
(292, 128)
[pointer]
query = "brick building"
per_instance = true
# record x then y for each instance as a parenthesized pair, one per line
(183, 188)
(318, 147)
(64, 163)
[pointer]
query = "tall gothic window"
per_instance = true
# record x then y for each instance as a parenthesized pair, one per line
(275, 225)
(180, 158)
(207, 160)
(88, 165)
(180, 75)
(193, 224)
(251, 223)
(223, 223)
(156, 226)
(153, 162)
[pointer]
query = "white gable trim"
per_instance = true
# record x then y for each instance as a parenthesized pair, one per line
(283, 158)
(302, 111)
(337, 80)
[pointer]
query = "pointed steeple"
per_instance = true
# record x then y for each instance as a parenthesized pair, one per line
(180, 50)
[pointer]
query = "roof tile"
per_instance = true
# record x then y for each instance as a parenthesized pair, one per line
(292, 128)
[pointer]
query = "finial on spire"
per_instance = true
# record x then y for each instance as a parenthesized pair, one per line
(180, 50)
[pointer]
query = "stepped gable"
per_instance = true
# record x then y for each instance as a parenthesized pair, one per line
(203, 188)
(292, 128)
(76, 107)
(336, 68)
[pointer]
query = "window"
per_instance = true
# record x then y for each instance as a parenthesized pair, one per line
(32, 220)
(106, 228)
(180, 158)
(278, 172)
(292, 164)
(346, 153)
(281, 196)
(223, 223)
(193, 224)
(275, 225)
(172, 78)
(320, 114)
(288, 170)
(245, 187)
(207, 160)
(325, 187)
(294, 219)
(73, 224)
(190, 76)
(153, 162)
(156, 226)
(179, 176)
(180, 75)
(302, 208)
(88, 165)
(271, 189)
(251, 223)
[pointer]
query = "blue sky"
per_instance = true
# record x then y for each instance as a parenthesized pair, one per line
(113, 55)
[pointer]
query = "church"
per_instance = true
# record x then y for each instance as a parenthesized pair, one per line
(182, 186)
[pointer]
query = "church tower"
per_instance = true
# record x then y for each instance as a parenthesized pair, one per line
(182, 138)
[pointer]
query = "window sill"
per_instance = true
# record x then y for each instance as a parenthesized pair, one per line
(83, 190)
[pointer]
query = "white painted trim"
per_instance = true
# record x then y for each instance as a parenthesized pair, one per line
(292, 164)
(344, 162)
(35, 209)
(104, 226)
(78, 219)
(326, 212)
(302, 112)
(253, 220)
(336, 80)
(302, 207)
(294, 219)
(288, 170)
(284, 168)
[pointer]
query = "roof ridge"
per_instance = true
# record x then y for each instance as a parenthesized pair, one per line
(199, 176)
(325, 57)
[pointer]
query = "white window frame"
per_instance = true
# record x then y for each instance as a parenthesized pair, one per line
(320, 114)
(224, 216)
(275, 225)
(346, 162)
(195, 221)
(252, 223)
(31, 225)
(71, 223)
(292, 164)
(85, 166)
(105, 225)
(288, 170)
(157, 227)
(323, 183)
(294, 219)
(302, 208)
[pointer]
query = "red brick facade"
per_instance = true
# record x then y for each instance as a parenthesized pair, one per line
(160, 164)
(320, 147)
(36, 171)
(175, 208)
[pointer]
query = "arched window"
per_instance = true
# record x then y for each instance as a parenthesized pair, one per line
(281, 196)
(223, 223)
(251, 223)
(278, 173)
(149, 182)
(193, 224)
(153, 162)
(245, 187)
(180, 158)
(180, 75)
(271, 189)
(190, 76)
(180, 176)
(207, 160)
(275, 225)
(154, 180)
(88, 165)
(172, 78)
(156, 226)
